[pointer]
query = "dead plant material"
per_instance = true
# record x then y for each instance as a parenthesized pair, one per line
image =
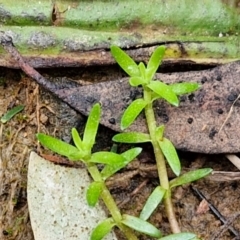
(221, 176)
(215, 211)
(229, 114)
(234, 159)
(206, 108)
(217, 235)
(58, 160)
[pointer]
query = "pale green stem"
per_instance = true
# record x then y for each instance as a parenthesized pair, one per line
(161, 164)
(110, 203)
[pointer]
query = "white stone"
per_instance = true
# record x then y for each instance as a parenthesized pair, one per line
(57, 202)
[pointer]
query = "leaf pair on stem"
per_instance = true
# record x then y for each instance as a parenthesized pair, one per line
(163, 148)
(82, 151)
(113, 162)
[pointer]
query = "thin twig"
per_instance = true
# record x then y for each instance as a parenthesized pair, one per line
(229, 114)
(6, 42)
(225, 227)
(217, 213)
(234, 159)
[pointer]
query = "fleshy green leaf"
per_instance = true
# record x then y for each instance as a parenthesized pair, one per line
(92, 126)
(132, 137)
(159, 132)
(93, 193)
(155, 96)
(164, 91)
(77, 139)
(142, 69)
(129, 155)
(184, 88)
(9, 114)
(132, 111)
(107, 158)
(77, 156)
(56, 145)
(141, 226)
(125, 61)
(171, 155)
(155, 61)
(190, 177)
(102, 229)
(114, 148)
(136, 81)
(152, 202)
(180, 236)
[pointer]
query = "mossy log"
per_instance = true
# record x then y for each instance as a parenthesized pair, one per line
(79, 33)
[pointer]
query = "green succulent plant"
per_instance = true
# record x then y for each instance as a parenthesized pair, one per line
(164, 152)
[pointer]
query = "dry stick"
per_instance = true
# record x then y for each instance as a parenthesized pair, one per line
(6, 42)
(216, 212)
(222, 176)
(229, 114)
(225, 227)
(234, 159)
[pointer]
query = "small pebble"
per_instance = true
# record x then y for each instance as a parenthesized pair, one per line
(43, 118)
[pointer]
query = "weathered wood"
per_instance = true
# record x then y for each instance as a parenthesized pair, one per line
(193, 126)
(79, 33)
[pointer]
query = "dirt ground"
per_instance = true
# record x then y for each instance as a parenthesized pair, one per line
(131, 187)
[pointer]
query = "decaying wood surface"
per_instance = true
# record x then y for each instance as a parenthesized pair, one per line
(68, 33)
(194, 126)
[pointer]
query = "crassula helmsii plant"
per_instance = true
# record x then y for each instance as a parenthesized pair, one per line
(113, 162)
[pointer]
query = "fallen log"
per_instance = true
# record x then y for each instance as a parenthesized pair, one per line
(73, 34)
